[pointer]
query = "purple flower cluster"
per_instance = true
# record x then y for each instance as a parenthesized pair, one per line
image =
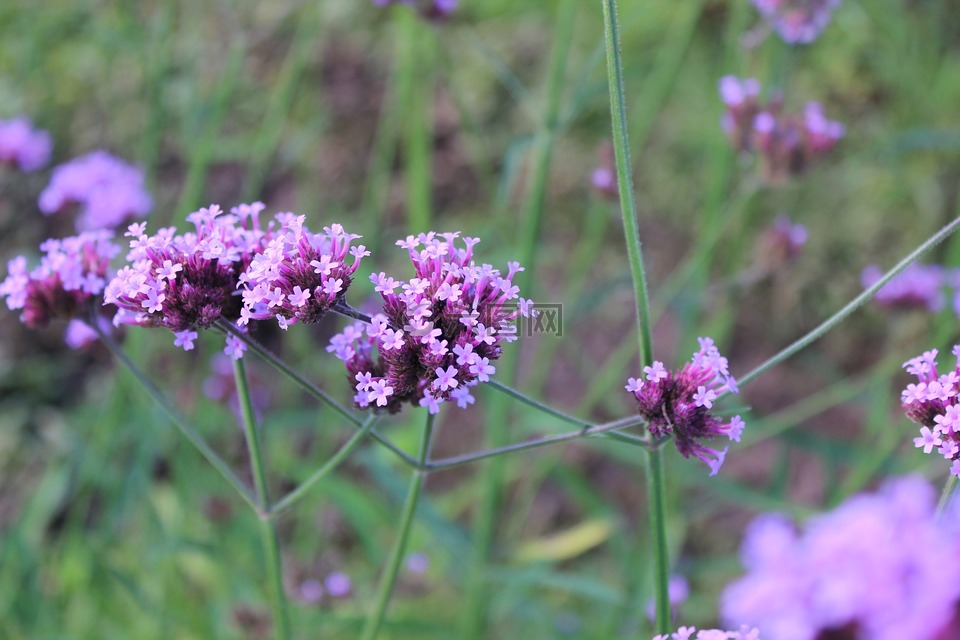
(786, 144)
(23, 145)
(781, 243)
(687, 633)
(71, 273)
(918, 286)
(797, 21)
(934, 403)
(431, 9)
(438, 333)
(678, 403)
(299, 275)
(108, 191)
(185, 281)
(880, 566)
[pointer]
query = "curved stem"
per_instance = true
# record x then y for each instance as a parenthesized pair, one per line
(288, 501)
(385, 590)
(268, 527)
(536, 404)
(185, 428)
(851, 306)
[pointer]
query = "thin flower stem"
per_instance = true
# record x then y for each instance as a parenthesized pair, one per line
(851, 306)
(387, 581)
(268, 526)
(288, 501)
(185, 428)
(536, 404)
(948, 488)
(608, 428)
(273, 360)
(628, 210)
(346, 310)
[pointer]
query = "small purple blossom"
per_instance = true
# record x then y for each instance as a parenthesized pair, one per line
(71, 274)
(108, 191)
(797, 21)
(919, 286)
(310, 591)
(446, 326)
(934, 403)
(880, 566)
(782, 242)
(677, 404)
(338, 584)
(678, 590)
(417, 562)
(24, 146)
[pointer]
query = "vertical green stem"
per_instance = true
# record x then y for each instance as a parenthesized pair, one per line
(656, 485)
(268, 526)
(375, 621)
(948, 490)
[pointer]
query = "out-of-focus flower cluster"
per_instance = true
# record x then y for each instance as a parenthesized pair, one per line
(438, 333)
(781, 243)
(431, 9)
(919, 286)
(24, 146)
(107, 190)
(71, 273)
(189, 280)
(880, 566)
(934, 403)
(797, 21)
(678, 403)
(299, 275)
(787, 144)
(691, 633)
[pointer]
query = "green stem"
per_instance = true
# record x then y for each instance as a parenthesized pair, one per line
(851, 306)
(621, 145)
(387, 581)
(185, 428)
(268, 527)
(948, 489)
(287, 501)
(536, 404)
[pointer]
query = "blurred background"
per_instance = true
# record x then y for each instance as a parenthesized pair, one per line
(494, 121)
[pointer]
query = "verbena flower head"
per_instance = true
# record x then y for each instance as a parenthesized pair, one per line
(797, 21)
(880, 566)
(300, 275)
(439, 332)
(107, 190)
(691, 633)
(185, 281)
(24, 146)
(919, 286)
(72, 272)
(933, 402)
(741, 98)
(678, 403)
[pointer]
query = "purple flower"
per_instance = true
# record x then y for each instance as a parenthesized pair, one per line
(430, 9)
(310, 591)
(678, 403)
(300, 275)
(880, 566)
(338, 584)
(782, 242)
(797, 21)
(417, 562)
(919, 286)
(72, 272)
(23, 145)
(185, 281)
(934, 403)
(108, 191)
(678, 590)
(691, 633)
(446, 327)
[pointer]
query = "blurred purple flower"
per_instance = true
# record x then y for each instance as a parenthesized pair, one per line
(678, 403)
(797, 21)
(108, 191)
(691, 633)
(782, 242)
(918, 286)
(880, 566)
(417, 562)
(338, 584)
(310, 591)
(678, 589)
(23, 145)
(430, 9)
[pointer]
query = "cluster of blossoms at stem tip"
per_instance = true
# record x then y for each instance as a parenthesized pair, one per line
(797, 21)
(438, 333)
(691, 633)
(107, 190)
(24, 146)
(934, 403)
(678, 403)
(879, 567)
(430, 9)
(185, 281)
(919, 286)
(787, 144)
(299, 275)
(72, 272)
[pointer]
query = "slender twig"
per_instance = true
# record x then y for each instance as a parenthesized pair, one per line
(346, 310)
(185, 428)
(268, 527)
(851, 306)
(375, 621)
(287, 501)
(536, 404)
